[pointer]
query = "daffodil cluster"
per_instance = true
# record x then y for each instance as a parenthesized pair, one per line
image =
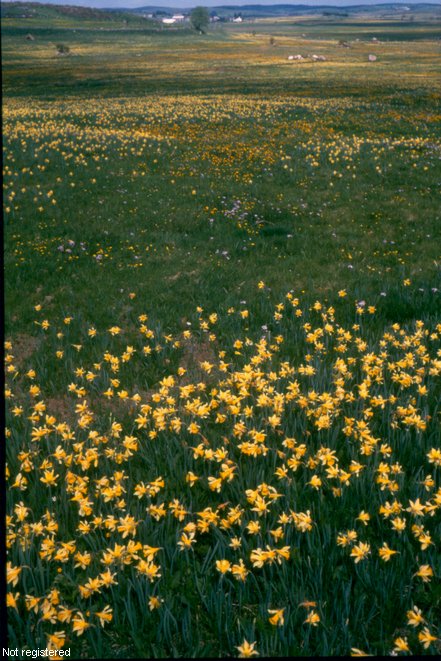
(256, 469)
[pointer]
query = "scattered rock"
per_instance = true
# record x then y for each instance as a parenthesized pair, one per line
(295, 57)
(318, 58)
(30, 37)
(62, 49)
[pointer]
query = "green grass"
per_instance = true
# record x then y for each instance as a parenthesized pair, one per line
(155, 172)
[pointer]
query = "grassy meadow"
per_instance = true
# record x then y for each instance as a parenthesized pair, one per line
(223, 336)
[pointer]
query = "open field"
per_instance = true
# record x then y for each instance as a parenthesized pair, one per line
(223, 324)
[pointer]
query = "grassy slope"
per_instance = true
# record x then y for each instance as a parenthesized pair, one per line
(398, 97)
(185, 169)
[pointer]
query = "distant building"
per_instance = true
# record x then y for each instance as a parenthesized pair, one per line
(238, 19)
(168, 21)
(179, 18)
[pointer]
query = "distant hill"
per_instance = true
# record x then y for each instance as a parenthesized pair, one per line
(37, 10)
(278, 10)
(288, 9)
(67, 13)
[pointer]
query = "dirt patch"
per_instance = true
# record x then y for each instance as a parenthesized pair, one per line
(193, 355)
(115, 406)
(61, 408)
(177, 275)
(24, 346)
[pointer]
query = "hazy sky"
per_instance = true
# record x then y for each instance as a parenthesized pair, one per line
(213, 3)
